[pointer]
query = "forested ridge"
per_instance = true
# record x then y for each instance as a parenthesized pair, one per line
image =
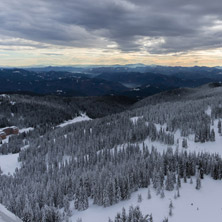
(39, 111)
(85, 160)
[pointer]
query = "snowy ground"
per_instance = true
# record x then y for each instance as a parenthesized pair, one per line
(211, 147)
(135, 119)
(193, 205)
(82, 117)
(26, 130)
(8, 163)
(5, 140)
(7, 216)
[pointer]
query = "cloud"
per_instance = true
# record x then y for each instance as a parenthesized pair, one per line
(52, 54)
(158, 27)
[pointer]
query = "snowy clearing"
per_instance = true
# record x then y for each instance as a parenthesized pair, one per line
(192, 205)
(211, 147)
(7, 216)
(8, 163)
(82, 117)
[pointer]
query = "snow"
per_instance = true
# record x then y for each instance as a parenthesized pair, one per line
(5, 140)
(136, 89)
(208, 111)
(82, 117)
(26, 130)
(4, 95)
(7, 216)
(8, 163)
(12, 103)
(202, 205)
(25, 147)
(211, 147)
(192, 205)
(158, 126)
(135, 119)
(67, 159)
(17, 71)
(130, 85)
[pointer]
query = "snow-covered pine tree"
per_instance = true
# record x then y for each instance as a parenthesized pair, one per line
(139, 198)
(212, 135)
(198, 181)
(149, 194)
(169, 183)
(184, 143)
(219, 127)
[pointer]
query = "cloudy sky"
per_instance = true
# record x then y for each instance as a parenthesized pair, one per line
(71, 32)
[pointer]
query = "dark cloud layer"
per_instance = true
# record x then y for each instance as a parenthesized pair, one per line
(160, 26)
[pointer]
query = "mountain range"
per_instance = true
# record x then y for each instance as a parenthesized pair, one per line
(136, 81)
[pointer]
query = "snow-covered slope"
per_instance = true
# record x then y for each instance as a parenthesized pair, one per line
(193, 205)
(9, 162)
(211, 147)
(7, 216)
(82, 117)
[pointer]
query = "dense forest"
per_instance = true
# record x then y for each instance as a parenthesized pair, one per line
(85, 161)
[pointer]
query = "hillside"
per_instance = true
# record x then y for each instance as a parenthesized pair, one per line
(97, 166)
(6, 216)
(21, 110)
(55, 83)
(134, 79)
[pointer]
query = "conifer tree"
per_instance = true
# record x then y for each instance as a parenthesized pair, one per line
(171, 208)
(139, 198)
(149, 194)
(198, 181)
(212, 135)
(184, 143)
(219, 126)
